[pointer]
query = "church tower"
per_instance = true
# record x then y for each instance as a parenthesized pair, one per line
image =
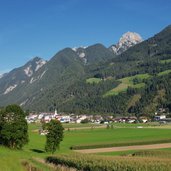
(56, 112)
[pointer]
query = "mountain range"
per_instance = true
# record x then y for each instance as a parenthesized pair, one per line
(84, 79)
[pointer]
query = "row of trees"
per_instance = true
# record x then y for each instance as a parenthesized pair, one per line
(14, 129)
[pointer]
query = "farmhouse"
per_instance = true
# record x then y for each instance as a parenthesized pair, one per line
(159, 117)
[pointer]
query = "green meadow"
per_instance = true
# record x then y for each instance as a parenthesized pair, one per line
(165, 61)
(128, 82)
(164, 72)
(93, 80)
(12, 159)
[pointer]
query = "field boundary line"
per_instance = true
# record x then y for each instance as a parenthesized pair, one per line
(126, 148)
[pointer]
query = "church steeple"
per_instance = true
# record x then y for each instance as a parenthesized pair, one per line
(56, 112)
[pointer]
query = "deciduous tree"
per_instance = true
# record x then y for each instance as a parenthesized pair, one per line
(13, 127)
(54, 135)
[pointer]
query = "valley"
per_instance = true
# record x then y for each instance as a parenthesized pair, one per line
(126, 87)
(85, 85)
(34, 152)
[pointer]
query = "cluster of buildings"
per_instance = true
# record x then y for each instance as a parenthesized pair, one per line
(45, 117)
(73, 118)
(162, 116)
(63, 118)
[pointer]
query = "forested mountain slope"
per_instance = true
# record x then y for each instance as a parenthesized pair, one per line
(136, 82)
(95, 80)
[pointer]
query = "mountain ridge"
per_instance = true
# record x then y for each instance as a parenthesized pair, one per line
(62, 82)
(126, 41)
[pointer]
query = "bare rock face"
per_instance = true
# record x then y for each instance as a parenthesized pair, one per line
(127, 40)
(19, 76)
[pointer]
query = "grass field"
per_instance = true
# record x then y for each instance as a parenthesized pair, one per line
(127, 82)
(164, 72)
(93, 80)
(11, 159)
(118, 137)
(67, 126)
(165, 61)
(101, 136)
(80, 125)
(143, 125)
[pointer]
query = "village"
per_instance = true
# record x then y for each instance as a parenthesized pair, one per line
(161, 116)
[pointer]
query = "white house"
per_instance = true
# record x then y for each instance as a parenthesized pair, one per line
(157, 118)
(65, 119)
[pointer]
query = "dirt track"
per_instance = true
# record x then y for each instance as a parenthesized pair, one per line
(126, 148)
(92, 127)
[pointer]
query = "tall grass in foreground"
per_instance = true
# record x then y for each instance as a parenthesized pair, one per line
(152, 153)
(86, 162)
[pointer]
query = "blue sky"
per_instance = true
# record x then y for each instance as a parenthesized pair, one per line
(30, 28)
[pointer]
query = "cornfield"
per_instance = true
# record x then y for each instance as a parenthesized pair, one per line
(85, 162)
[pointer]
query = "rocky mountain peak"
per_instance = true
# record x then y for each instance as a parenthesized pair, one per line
(130, 37)
(33, 65)
(77, 48)
(126, 41)
(81, 52)
(18, 76)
